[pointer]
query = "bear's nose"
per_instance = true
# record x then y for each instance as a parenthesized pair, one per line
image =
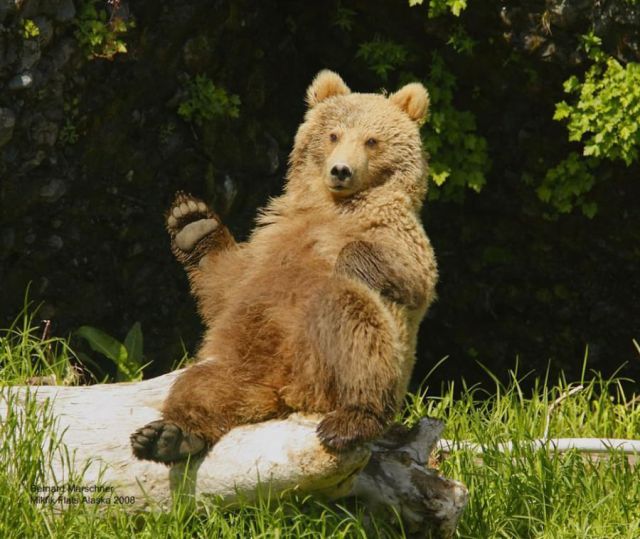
(341, 171)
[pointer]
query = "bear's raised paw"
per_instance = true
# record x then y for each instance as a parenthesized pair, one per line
(189, 220)
(194, 229)
(165, 442)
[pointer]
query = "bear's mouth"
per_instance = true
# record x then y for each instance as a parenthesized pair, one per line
(341, 191)
(340, 188)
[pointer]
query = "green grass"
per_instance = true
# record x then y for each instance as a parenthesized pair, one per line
(27, 351)
(523, 494)
(533, 493)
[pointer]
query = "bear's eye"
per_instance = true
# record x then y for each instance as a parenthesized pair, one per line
(333, 137)
(371, 142)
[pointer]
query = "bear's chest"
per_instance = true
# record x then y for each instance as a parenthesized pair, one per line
(322, 241)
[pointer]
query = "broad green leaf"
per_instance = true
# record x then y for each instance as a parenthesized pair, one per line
(134, 343)
(571, 84)
(590, 149)
(106, 345)
(563, 110)
(440, 177)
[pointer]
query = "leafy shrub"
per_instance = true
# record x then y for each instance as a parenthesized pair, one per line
(206, 101)
(382, 56)
(565, 185)
(460, 41)
(69, 132)
(30, 29)
(605, 116)
(458, 155)
(344, 18)
(441, 7)
(98, 35)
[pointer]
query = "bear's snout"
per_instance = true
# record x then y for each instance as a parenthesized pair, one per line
(341, 172)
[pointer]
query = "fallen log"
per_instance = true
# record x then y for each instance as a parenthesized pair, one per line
(94, 423)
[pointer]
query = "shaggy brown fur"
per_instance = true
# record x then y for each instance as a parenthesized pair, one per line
(319, 310)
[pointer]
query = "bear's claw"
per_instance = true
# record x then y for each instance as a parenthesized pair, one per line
(165, 442)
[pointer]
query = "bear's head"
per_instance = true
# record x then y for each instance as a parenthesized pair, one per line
(352, 145)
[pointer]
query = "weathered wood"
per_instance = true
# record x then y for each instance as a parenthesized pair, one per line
(94, 424)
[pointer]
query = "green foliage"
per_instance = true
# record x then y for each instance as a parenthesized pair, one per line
(460, 41)
(605, 115)
(69, 134)
(565, 185)
(205, 101)
(98, 35)
(604, 118)
(458, 155)
(382, 56)
(127, 356)
(30, 29)
(438, 8)
(344, 18)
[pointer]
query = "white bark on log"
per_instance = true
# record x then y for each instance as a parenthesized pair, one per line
(94, 424)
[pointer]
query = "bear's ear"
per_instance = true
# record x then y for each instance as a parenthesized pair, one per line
(412, 99)
(326, 84)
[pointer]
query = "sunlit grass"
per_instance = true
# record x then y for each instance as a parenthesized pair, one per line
(27, 351)
(538, 493)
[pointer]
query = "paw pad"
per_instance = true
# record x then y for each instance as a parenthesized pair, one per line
(165, 442)
(189, 220)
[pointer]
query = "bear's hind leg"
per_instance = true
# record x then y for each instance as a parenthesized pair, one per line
(207, 400)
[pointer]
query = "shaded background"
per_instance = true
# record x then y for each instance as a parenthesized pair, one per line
(92, 150)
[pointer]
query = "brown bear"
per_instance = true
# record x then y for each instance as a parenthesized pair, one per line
(319, 310)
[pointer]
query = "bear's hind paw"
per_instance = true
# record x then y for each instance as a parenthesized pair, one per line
(165, 442)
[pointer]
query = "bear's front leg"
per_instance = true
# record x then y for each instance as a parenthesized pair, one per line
(369, 263)
(359, 363)
(347, 427)
(195, 230)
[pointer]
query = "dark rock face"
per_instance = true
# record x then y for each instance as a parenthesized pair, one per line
(552, 30)
(7, 123)
(91, 152)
